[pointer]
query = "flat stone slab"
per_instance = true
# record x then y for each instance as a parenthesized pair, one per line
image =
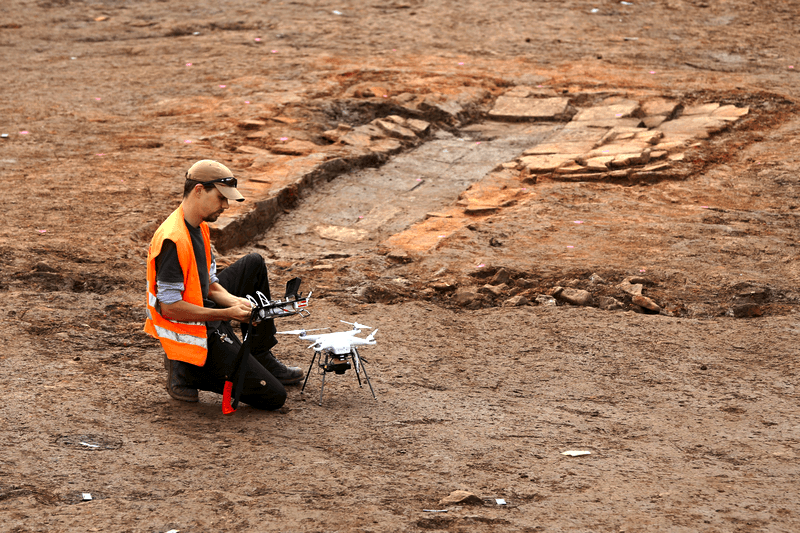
(624, 109)
(572, 133)
(730, 112)
(626, 160)
(515, 108)
(539, 164)
(607, 123)
(703, 109)
(632, 147)
(695, 125)
(599, 164)
(560, 148)
(521, 91)
(570, 169)
(673, 142)
(653, 121)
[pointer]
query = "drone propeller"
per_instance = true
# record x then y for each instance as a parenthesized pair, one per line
(371, 336)
(299, 331)
(356, 325)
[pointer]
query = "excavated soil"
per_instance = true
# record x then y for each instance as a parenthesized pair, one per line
(648, 318)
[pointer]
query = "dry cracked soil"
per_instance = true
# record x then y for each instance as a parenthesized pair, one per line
(574, 224)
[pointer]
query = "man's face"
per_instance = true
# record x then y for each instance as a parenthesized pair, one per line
(212, 203)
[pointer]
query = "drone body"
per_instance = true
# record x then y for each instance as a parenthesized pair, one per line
(332, 351)
(339, 342)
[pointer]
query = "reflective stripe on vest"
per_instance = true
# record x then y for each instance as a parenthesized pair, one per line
(164, 333)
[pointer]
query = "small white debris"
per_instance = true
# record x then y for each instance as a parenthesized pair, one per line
(87, 497)
(90, 445)
(500, 501)
(576, 453)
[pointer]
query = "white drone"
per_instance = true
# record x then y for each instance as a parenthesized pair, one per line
(337, 347)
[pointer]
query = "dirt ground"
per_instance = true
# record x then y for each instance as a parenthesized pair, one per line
(484, 373)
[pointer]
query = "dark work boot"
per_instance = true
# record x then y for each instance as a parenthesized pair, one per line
(177, 386)
(287, 375)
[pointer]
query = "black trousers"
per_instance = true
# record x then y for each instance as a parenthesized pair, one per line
(261, 389)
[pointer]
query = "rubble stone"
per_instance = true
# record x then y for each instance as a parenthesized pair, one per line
(420, 127)
(516, 301)
(747, 310)
(646, 303)
(654, 121)
(443, 286)
(336, 135)
(544, 299)
(395, 130)
(500, 277)
(630, 288)
(464, 296)
(356, 138)
(650, 137)
(252, 124)
(450, 108)
(660, 106)
(575, 296)
(295, 147)
(461, 497)
(607, 303)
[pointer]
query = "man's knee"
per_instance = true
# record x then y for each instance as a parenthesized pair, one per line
(254, 261)
(267, 397)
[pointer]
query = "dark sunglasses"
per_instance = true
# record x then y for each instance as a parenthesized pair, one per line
(230, 181)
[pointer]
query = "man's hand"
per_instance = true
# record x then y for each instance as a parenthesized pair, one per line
(241, 310)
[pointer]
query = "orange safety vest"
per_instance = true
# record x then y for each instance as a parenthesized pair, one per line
(182, 341)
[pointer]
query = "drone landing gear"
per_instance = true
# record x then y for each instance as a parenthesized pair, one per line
(338, 364)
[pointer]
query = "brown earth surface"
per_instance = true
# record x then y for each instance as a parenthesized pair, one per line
(647, 315)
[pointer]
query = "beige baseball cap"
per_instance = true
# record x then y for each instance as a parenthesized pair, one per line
(207, 171)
